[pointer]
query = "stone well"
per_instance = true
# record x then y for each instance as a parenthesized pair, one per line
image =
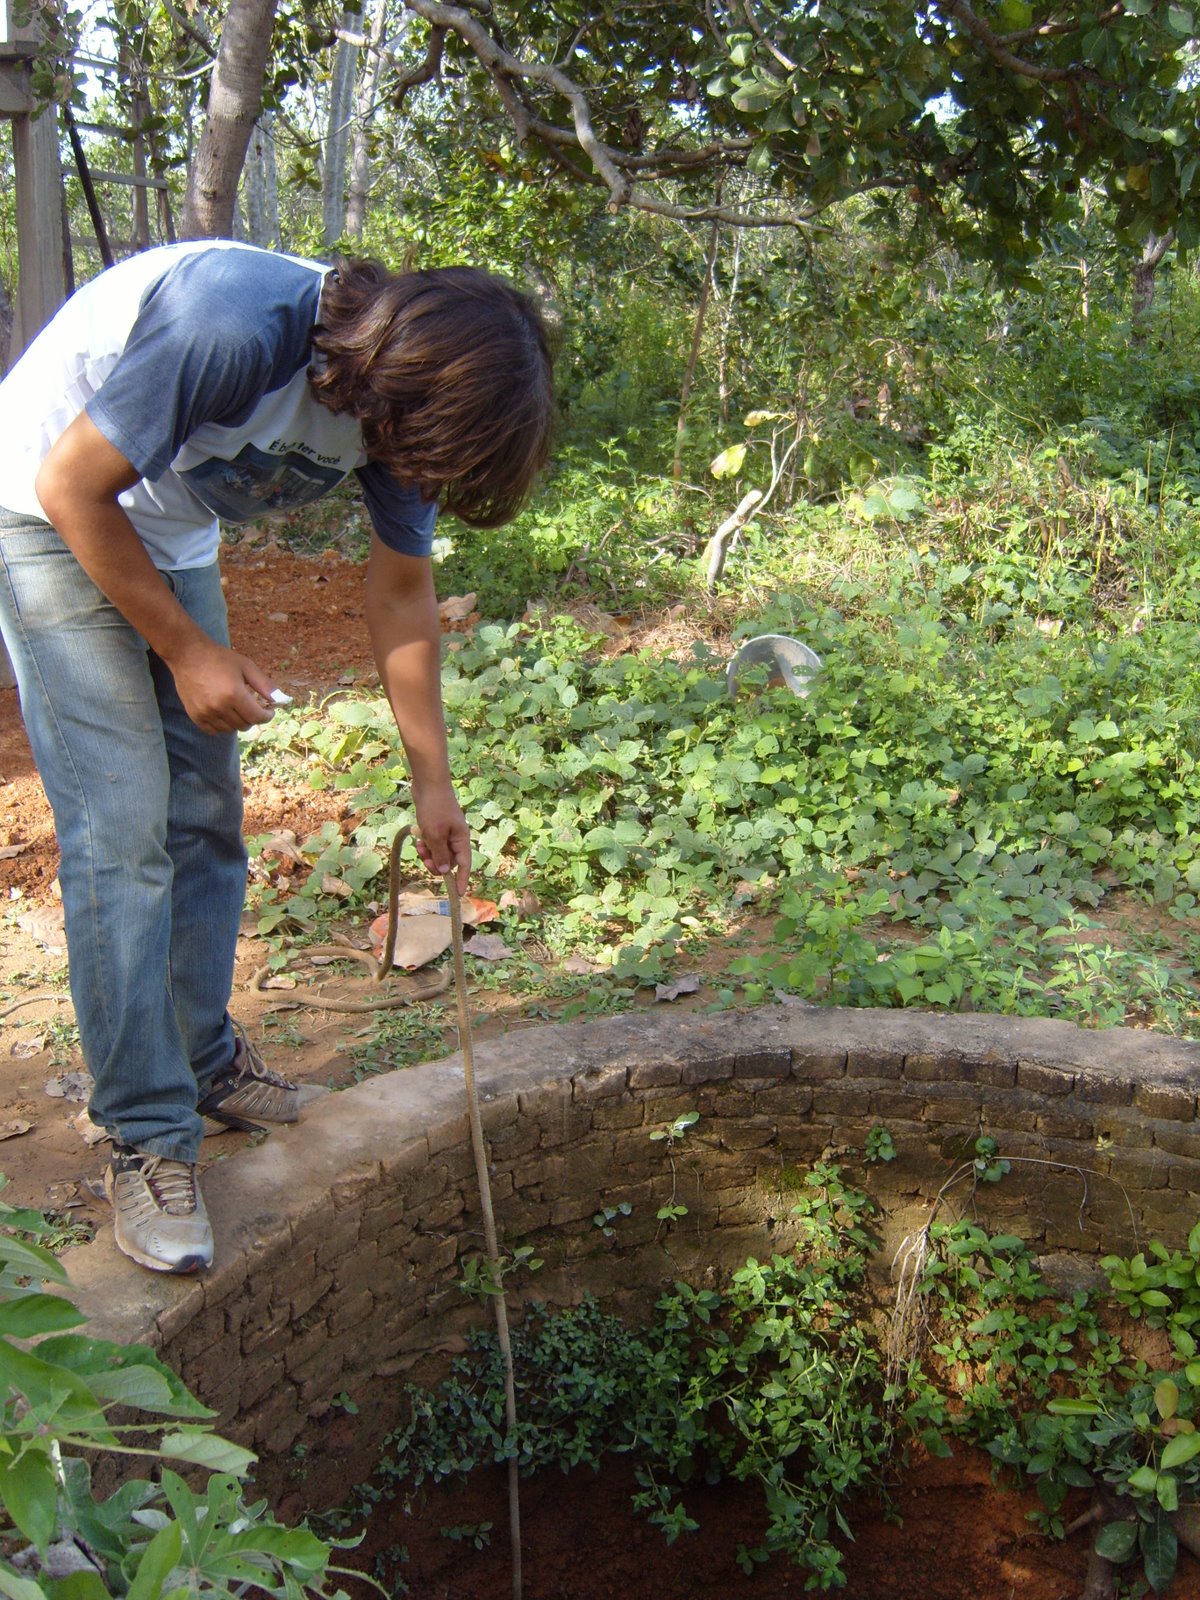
(338, 1240)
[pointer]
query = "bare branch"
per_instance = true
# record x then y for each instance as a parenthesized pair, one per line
(613, 165)
(761, 35)
(1156, 248)
(428, 69)
(188, 27)
(1057, 30)
(996, 47)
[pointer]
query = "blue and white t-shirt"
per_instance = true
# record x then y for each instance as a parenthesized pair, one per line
(192, 360)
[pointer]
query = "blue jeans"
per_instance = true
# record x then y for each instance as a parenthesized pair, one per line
(148, 811)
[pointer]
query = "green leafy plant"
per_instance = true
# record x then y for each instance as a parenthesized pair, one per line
(607, 1215)
(70, 1396)
(880, 1145)
(672, 1209)
(775, 1381)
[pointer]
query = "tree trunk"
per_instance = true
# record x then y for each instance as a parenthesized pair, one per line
(337, 137)
(726, 325)
(710, 257)
(1153, 251)
(6, 325)
(99, 227)
(140, 113)
(234, 102)
(262, 186)
(364, 110)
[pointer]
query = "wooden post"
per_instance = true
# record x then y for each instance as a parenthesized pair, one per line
(41, 222)
(41, 235)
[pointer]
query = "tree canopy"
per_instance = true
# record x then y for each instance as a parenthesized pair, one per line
(989, 117)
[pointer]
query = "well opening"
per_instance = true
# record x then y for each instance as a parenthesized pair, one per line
(340, 1242)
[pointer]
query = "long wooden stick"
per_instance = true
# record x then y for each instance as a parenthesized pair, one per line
(499, 1302)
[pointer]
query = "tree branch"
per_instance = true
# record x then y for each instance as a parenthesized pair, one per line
(428, 69)
(188, 27)
(997, 48)
(614, 166)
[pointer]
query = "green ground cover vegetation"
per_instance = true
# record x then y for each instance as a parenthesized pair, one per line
(983, 519)
(793, 1377)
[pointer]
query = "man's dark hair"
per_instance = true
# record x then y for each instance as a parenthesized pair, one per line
(448, 370)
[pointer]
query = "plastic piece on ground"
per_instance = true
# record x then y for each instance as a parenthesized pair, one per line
(792, 664)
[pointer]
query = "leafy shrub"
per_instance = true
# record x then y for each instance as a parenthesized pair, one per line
(72, 1395)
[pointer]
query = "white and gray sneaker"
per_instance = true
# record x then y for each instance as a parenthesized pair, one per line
(159, 1216)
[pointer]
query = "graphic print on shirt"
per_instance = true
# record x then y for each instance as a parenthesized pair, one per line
(254, 483)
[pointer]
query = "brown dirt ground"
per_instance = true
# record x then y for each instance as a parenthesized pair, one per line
(950, 1533)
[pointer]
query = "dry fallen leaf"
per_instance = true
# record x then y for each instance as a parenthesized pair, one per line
(69, 1086)
(13, 1130)
(457, 607)
(579, 966)
(45, 924)
(22, 1049)
(8, 851)
(672, 991)
(335, 886)
(283, 845)
(90, 1132)
(524, 901)
(419, 940)
(488, 947)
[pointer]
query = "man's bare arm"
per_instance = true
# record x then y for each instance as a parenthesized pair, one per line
(406, 636)
(78, 485)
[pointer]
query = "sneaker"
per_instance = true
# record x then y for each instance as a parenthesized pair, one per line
(160, 1221)
(248, 1093)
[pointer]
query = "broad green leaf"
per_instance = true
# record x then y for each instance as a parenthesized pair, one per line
(29, 1490)
(18, 1588)
(34, 1314)
(207, 1450)
(295, 1547)
(1160, 1552)
(77, 1586)
(104, 1524)
(134, 1386)
(903, 498)
(159, 1559)
(729, 463)
(90, 1358)
(1166, 1398)
(1183, 1447)
(49, 1387)
(756, 97)
(1116, 1541)
(31, 1260)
